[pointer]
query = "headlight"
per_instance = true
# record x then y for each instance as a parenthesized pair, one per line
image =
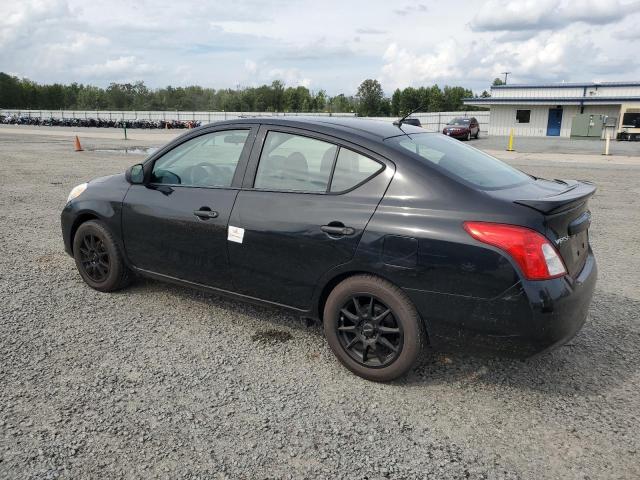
(76, 191)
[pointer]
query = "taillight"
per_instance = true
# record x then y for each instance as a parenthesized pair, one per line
(536, 256)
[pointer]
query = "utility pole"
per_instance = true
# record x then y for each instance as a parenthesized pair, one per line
(506, 74)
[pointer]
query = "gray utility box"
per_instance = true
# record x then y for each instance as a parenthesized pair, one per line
(588, 125)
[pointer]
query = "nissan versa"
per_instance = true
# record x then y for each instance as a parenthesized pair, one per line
(393, 237)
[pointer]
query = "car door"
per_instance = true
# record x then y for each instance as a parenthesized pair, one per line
(176, 223)
(305, 203)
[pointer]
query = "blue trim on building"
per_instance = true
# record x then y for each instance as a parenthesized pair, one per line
(556, 100)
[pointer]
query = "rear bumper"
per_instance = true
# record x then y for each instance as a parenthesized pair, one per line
(457, 135)
(529, 318)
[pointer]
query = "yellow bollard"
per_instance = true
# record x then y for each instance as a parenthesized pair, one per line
(510, 147)
(606, 144)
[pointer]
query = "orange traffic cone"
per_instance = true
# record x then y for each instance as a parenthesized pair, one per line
(78, 147)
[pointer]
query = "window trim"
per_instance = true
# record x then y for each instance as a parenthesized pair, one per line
(252, 168)
(241, 166)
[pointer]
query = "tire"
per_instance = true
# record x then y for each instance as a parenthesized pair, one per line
(468, 137)
(381, 363)
(98, 258)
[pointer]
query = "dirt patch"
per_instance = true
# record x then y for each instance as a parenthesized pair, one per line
(271, 336)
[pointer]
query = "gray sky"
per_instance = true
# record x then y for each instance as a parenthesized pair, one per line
(332, 45)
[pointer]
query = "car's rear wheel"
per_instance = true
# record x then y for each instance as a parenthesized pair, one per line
(373, 328)
(98, 257)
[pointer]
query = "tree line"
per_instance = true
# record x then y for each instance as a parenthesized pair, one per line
(370, 100)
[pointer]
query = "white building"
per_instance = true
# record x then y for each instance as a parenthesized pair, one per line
(539, 110)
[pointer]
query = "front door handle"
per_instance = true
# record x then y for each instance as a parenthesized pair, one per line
(337, 230)
(205, 214)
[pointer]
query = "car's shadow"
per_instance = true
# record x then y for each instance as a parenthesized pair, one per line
(598, 359)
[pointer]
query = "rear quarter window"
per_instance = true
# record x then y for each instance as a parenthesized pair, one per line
(352, 169)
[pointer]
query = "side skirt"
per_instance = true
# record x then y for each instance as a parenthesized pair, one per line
(219, 291)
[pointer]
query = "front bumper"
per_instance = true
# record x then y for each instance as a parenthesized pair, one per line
(66, 224)
(462, 134)
(529, 318)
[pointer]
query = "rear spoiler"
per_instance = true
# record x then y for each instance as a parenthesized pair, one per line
(577, 192)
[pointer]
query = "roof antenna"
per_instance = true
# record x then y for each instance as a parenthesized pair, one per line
(398, 123)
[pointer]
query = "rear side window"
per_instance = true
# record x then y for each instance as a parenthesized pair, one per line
(293, 162)
(461, 161)
(352, 169)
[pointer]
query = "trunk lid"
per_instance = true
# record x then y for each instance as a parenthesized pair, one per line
(564, 204)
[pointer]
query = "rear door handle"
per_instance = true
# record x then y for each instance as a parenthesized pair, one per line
(337, 230)
(205, 214)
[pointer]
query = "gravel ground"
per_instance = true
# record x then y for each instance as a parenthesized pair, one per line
(161, 381)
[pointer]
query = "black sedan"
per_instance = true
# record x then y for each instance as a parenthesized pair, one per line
(393, 237)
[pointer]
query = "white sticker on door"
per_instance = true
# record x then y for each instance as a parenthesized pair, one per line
(236, 234)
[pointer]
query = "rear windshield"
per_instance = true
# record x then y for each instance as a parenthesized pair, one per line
(459, 121)
(461, 161)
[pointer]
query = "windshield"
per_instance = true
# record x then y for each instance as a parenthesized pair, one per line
(459, 121)
(461, 161)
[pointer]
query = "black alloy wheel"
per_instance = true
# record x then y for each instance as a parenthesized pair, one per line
(94, 258)
(373, 328)
(99, 258)
(369, 332)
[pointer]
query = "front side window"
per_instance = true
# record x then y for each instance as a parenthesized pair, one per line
(209, 160)
(461, 161)
(352, 169)
(523, 116)
(294, 162)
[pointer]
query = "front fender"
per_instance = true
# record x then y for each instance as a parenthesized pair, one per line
(102, 200)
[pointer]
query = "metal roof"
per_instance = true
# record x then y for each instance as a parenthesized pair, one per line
(568, 85)
(556, 100)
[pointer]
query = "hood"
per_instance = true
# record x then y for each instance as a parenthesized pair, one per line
(118, 177)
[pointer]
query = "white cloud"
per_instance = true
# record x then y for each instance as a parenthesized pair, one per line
(510, 15)
(404, 67)
(78, 42)
(20, 20)
(122, 68)
(248, 42)
(251, 66)
(290, 76)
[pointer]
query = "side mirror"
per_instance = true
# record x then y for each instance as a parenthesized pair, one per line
(135, 174)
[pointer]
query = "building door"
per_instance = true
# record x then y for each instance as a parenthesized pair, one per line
(554, 123)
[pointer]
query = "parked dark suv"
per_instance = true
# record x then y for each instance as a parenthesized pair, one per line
(392, 236)
(462, 128)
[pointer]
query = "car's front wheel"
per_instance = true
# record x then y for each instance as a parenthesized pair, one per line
(98, 257)
(373, 328)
